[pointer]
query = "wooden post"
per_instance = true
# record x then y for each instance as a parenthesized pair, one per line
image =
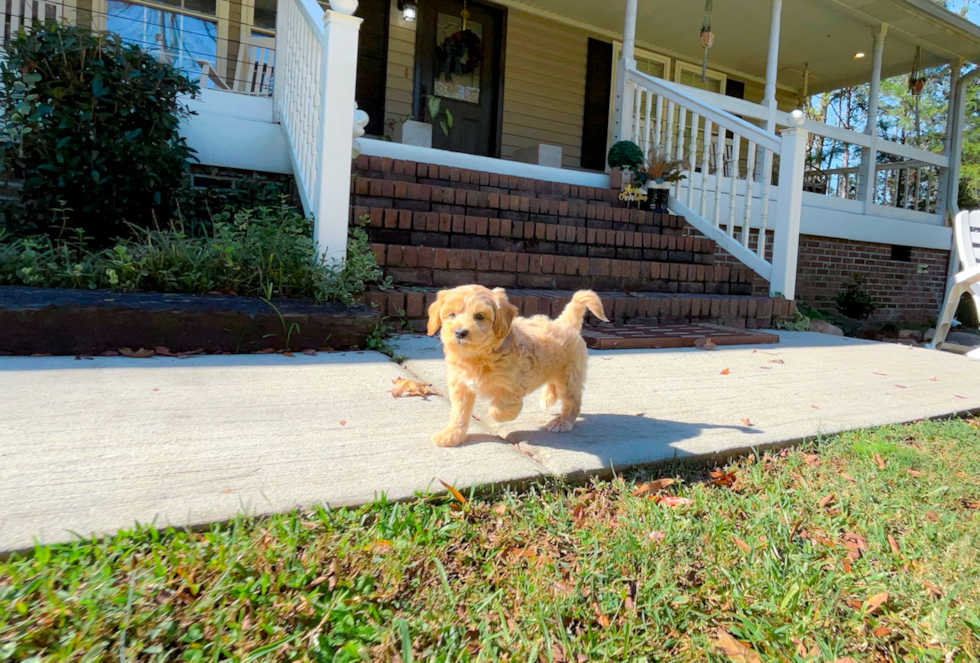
(772, 66)
(789, 207)
(627, 60)
(869, 160)
(338, 68)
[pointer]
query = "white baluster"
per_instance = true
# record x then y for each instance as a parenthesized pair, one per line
(719, 172)
(749, 188)
(636, 115)
(669, 131)
(705, 166)
(733, 181)
(660, 117)
(766, 192)
(681, 128)
(693, 151)
(649, 122)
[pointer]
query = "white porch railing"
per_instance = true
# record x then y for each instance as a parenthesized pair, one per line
(313, 98)
(729, 194)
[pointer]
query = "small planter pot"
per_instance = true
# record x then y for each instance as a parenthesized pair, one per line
(616, 179)
(659, 192)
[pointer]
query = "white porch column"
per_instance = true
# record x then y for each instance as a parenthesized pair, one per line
(772, 65)
(955, 66)
(627, 59)
(870, 154)
(338, 71)
(789, 207)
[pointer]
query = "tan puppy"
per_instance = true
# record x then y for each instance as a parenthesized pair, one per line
(493, 354)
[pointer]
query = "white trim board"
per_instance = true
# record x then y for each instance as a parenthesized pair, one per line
(382, 148)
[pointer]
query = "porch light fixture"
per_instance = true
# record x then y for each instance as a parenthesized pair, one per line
(409, 10)
(859, 55)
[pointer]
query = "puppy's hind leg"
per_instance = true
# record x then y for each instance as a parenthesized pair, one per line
(505, 408)
(570, 393)
(549, 395)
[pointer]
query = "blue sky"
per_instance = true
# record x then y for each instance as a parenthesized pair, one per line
(974, 8)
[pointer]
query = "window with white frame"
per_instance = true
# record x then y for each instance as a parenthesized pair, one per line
(647, 62)
(689, 74)
(181, 32)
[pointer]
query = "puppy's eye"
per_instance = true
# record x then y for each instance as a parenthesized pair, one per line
(451, 316)
(479, 316)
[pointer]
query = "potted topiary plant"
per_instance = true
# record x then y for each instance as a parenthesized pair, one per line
(625, 157)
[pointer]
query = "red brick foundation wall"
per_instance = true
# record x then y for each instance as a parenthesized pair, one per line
(901, 293)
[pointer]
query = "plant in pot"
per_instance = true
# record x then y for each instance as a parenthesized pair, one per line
(625, 158)
(661, 174)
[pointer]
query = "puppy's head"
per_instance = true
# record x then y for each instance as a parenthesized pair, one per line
(474, 319)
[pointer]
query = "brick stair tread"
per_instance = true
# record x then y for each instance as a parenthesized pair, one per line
(461, 178)
(739, 311)
(428, 266)
(368, 192)
(393, 226)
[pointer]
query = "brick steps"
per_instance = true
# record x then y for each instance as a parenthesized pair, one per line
(411, 305)
(388, 194)
(428, 266)
(414, 228)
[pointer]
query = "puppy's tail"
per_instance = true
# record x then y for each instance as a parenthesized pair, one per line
(574, 312)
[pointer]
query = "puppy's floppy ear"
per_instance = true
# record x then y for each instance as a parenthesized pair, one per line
(435, 315)
(504, 315)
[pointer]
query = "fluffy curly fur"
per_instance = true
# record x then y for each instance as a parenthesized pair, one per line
(492, 353)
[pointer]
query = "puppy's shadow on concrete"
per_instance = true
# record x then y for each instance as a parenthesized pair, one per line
(623, 438)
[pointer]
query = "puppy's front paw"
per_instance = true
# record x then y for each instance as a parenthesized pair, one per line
(559, 425)
(449, 437)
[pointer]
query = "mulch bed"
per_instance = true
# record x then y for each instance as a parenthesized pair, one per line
(91, 322)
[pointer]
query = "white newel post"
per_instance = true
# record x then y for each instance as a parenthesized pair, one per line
(789, 206)
(338, 72)
(627, 60)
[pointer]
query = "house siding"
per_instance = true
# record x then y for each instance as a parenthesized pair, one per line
(401, 68)
(544, 86)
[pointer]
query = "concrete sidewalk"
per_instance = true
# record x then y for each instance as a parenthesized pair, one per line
(92, 446)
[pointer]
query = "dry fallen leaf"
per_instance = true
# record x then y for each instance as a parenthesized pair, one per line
(722, 479)
(455, 493)
(343, 423)
(404, 387)
(828, 499)
(879, 461)
(855, 544)
(704, 343)
(725, 372)
(932, 588)
(776, 361)
(500, 509)
(846, 659)
(652, 486)
(746, 422)
(163, 351)
(894, 545)
(847, 566)
(899, 386)
(877, 373)
(875, 602)
(737, 652)
(971, 504)
(915, 473)
(847, 477)
(815, 407)
(741, 544)
(933, 516)
(656, 535)
(631, 596)
(136, 354)
(672, 501)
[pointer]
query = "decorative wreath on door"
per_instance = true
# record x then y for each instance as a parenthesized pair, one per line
(460, 54)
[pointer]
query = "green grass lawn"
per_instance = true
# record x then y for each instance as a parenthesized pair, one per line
(861, 547)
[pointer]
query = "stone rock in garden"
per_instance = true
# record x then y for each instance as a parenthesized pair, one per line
(963, 338)
(910, 334)
(824, 327)
(929, 335)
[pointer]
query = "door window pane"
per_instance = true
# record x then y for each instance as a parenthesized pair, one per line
(265, 14)
(175, 38)
(461, 86)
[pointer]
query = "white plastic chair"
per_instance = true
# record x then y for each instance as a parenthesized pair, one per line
(966, 229)
(253, 71)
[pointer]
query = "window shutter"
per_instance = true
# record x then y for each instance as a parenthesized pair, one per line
(598, 82)
(372, 62)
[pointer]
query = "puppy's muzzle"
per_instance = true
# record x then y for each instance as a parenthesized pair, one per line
(461, 334)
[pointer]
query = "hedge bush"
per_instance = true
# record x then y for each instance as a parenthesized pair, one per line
(92, 130)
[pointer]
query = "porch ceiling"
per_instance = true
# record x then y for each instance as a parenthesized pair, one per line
(824, 34)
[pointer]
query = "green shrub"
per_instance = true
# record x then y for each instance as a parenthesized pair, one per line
(267, 252)
(196, 206)
(853, 301)
(92, 128)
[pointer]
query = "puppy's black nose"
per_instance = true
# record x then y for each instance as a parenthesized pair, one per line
(462, 333)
